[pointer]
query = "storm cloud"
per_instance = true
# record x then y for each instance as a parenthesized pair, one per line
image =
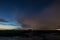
(48, 18)
(3, 20)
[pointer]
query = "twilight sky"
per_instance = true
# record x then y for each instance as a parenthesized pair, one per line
(8, 11)
(40, 14)
(12, 10)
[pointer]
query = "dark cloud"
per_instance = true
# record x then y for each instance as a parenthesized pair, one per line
(2, 20)
(49, 18)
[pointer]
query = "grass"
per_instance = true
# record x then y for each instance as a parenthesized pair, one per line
(27, 33)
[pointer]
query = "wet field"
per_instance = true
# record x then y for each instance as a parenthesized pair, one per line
(29, 35)
(14, 38)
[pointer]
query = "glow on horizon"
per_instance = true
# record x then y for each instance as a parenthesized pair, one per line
(9, 27)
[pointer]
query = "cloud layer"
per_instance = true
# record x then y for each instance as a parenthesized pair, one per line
(3, 20)
(49, 18)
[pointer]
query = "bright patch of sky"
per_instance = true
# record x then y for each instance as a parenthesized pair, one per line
(9, 25)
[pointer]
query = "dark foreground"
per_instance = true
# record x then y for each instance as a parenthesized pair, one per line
(29, 35)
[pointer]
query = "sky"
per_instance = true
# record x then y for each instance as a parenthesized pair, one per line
(40, 14)
(8, 11)
(14, 11)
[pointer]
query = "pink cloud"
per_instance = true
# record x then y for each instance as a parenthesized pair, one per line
(49, 18)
